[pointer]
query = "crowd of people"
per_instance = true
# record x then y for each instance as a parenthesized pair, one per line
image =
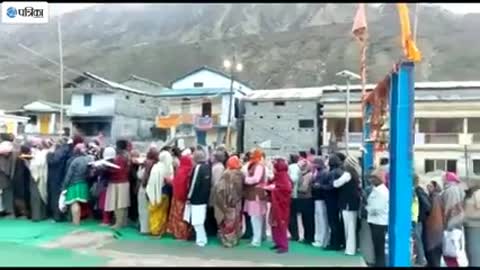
(197, 193)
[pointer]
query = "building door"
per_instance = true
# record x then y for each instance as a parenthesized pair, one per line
(201, 137)
(44, 124)
(207, 109)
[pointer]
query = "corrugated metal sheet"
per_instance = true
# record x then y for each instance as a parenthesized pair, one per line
(425, 91)
(420, 95)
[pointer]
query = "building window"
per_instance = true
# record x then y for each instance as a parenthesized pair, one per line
(449, 165)
(476, 166)
(87, 100)
(306, 123)
(279, 103)
(198, 84)
(142, 101)
(207, 109)
(254, 103)
(127, 97)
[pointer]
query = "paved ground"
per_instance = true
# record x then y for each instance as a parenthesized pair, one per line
(49, 244)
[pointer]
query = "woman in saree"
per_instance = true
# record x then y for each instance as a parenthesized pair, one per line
(159, 202)
(227, 203)
(143, 218)
(176, 225)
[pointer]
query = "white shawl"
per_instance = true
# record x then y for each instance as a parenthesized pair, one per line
(39, 171)
(160, 171)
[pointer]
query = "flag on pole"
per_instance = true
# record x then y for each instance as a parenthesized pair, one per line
(359, 31)
(409, 47)
(359, 28)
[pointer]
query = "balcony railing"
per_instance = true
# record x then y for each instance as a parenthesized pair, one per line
(439, 138)
(353, 138)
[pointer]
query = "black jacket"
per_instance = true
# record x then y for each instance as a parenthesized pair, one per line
(424, 204)
(317, 191)
(349, 193)
(201, 190)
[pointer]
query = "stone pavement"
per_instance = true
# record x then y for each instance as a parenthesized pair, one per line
(91, 245)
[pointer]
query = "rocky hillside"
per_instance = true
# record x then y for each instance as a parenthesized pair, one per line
(280, 45)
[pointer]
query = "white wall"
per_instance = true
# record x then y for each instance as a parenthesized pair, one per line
(102, 105)
(209, 79)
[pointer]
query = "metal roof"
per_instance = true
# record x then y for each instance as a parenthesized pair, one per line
(420, 95)
(285, 94)
(190, 92)
(429, 91)
(223, 74)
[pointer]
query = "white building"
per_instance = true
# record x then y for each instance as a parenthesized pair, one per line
(447, 116)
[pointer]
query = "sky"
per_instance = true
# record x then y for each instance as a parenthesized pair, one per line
(456, 8)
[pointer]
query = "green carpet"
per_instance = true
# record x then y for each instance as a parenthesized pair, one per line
(23, 238)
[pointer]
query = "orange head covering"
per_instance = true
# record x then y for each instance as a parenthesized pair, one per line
(257, 155)
(234, 163)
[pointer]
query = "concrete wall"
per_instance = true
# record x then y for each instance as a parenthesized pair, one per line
(102, 105)
(136, 106)
(209, 80)
(129, 127)
(280, 124)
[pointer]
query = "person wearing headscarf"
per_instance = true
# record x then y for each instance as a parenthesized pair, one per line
(348, 186)
(453, 212)
(227, 202)
(142, 200)
(320, 174)
(433, 227)
(176, 225)
(472, 226)
(57, 168)
(377, 210)
(198, 196)
(8, 162)
(38, 184)
(159, 202)
(255, 196)
(218, 161)
(306, 205)
(117, 199)
(75, 183)
(424, 207)
(280, 196)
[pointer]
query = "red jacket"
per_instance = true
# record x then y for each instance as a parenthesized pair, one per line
(120, 175)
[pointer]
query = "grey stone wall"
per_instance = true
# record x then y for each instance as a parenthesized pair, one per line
(133, 128)
(280, 124)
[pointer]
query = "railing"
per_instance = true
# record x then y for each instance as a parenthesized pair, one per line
(440, 138)
(354, 137)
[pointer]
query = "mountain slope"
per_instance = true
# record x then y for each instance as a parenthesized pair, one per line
(280, 45)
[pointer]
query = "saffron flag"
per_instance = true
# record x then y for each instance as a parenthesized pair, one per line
(359, 28)
(409, 47)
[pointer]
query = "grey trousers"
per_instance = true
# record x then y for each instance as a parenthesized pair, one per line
(7, 200)
(419, 250)
(472, 240)
(365, 243)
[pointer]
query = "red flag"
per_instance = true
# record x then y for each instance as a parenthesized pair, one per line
(359, 28)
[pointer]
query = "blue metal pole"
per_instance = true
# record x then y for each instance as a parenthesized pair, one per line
(401, 169)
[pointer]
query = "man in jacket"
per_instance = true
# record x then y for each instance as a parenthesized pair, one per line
(198, 196)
